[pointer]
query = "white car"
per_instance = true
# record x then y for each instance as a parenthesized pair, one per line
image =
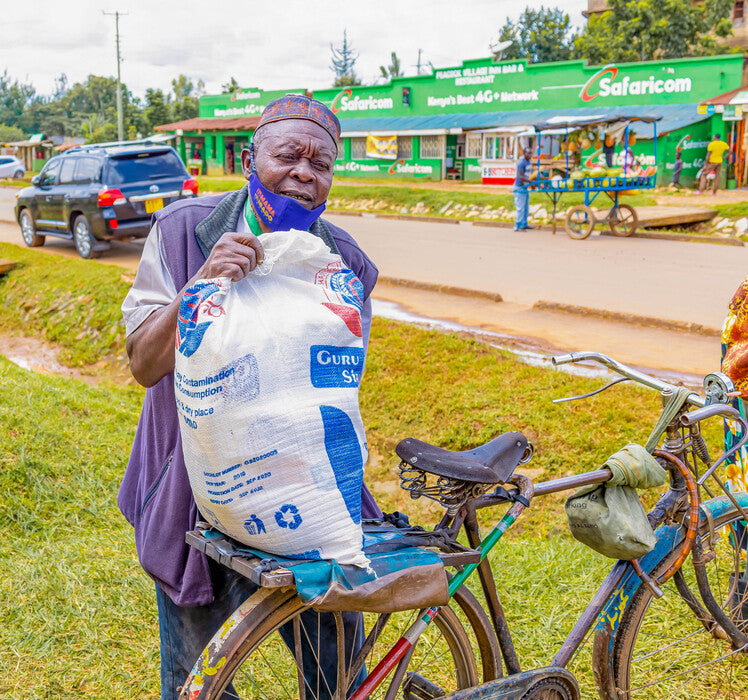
(10, 166)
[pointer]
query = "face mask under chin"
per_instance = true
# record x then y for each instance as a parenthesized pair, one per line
(279, 212)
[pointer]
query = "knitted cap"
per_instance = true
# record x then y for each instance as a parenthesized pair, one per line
(301, 107)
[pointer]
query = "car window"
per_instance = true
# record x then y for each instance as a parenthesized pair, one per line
(66, 171)
(5, 161)
(86, 170)
(50, 173)
(144, 166)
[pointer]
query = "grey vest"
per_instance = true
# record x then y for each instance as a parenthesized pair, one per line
(155, 494)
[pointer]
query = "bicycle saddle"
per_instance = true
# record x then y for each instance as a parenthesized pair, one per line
(491, 463)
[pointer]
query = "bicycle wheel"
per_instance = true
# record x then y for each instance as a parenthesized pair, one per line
(625, 221)
(661, 649)
(270, 648)
(579, 222)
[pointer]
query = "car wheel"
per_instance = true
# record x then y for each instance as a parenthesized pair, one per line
(28, 230)
(18, 174)
(83, 238)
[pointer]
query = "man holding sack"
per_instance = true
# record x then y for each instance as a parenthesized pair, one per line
(199, 253)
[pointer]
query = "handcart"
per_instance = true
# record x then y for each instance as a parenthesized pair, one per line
(552, 177)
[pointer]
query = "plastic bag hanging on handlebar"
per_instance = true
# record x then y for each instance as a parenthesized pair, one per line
(609, 517)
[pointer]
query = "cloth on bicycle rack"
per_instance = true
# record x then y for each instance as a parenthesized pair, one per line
(609, 517)
(266, 379)
(402, 579)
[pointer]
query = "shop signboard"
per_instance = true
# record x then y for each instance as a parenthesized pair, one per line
(482, 85)
(246, 102)
(732, 113)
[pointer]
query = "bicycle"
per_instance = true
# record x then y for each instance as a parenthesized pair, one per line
(465, 650)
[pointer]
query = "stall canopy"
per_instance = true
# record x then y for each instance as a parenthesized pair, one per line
(672, 117)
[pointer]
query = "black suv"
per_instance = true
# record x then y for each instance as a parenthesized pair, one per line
(93, 194)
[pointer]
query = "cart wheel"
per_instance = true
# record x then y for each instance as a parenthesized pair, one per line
(579, 222)
(625, 221)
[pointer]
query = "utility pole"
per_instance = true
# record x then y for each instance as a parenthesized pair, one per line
(120, 119)
(418, 65)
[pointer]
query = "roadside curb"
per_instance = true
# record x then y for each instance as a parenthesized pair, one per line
(556, 307)
(636, 319)
(441, 288)
(652, 235)
(664, 236)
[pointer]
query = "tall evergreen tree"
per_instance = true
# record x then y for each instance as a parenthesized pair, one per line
(342, 63)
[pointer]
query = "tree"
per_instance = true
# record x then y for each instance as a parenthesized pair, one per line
(342, 62)
(15, 98)
(186, 97)
(393, 70)
(538, 35)
(11, 133)
(158, 110)
(230, 88)
(642, 30)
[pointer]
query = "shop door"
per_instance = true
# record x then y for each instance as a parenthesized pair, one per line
(228, 161)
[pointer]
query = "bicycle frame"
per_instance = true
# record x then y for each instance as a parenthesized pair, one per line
(613, 593)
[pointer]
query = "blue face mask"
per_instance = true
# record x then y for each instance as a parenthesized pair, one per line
(276, 211)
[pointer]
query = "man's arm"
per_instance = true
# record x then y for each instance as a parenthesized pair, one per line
(150, 346)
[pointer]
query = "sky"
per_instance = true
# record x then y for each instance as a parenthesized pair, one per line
(269, 45)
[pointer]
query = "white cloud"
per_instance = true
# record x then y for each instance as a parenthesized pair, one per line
(281, 44)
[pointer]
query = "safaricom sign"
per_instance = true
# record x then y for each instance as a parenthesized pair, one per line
(606, 83)
(344, 102)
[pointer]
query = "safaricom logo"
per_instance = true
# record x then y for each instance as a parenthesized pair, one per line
(401, 166)
(345, 102)
(604, 84)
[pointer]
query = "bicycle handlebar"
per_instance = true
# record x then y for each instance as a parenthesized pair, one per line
(625, 371)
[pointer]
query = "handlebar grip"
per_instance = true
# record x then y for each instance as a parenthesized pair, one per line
(715, 409)
(562, 359)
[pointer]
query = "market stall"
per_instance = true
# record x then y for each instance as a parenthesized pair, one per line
(558, 175)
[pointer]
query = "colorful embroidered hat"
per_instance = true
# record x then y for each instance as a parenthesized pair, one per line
(301, 107)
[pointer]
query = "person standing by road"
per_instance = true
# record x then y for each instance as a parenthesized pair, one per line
(521, 191)
(715, 152)
(677, 169)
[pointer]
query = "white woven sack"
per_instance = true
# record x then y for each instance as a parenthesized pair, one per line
(266, 381)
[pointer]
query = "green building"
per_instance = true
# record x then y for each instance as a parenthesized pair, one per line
(470, 122)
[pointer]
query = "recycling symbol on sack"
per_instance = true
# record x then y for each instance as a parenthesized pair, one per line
(288, 516)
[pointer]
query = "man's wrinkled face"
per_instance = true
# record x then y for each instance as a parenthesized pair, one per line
(294, 157)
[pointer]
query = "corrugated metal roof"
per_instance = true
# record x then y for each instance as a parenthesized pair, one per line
(673, 117)
(212, 124)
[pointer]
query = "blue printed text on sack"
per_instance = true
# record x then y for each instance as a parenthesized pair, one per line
(332, 366)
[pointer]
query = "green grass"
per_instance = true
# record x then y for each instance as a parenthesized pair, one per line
(79, 618)
(10, 182)
(73, 303)
(733, 210)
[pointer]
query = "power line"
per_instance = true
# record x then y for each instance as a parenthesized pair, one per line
(120, 120)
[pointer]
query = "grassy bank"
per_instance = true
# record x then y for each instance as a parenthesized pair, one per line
(73, 303)
(79, 618)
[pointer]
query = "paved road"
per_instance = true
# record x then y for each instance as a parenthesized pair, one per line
(689, 282)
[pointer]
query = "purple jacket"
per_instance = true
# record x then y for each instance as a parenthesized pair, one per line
(155, 494)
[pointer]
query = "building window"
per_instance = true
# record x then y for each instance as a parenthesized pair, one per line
(358, 148)
(499, 147)
(473, 146)
(432, 146)
(405, 147)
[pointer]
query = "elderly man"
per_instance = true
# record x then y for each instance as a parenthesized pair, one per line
(289, 168)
